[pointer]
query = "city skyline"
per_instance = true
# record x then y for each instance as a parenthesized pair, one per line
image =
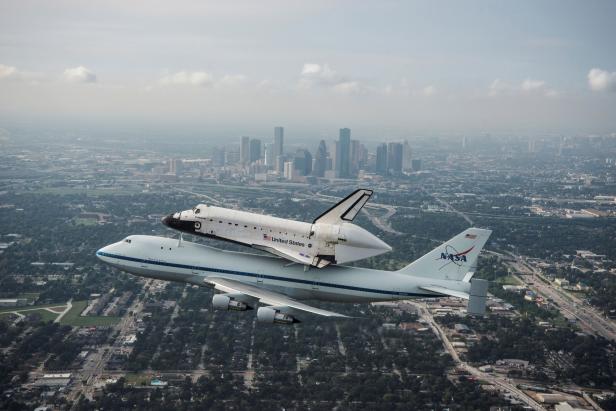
(395, 68)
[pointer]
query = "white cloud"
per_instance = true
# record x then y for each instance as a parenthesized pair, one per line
(7, 71)
(232, 80)
(347, 87)
(528, 87)
(319, 75)
(79, 75)
(192, 78)
(428, 91)
(499, 86)
(601, 80)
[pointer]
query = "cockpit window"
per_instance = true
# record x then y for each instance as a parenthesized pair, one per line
(127, 240)
(197, 210)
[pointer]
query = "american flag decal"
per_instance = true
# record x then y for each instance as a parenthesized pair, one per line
(266, 237)
(471, 236)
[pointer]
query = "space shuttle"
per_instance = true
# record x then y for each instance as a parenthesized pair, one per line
(331, 238)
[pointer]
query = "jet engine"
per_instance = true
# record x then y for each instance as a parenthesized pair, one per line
(226, 302)
(271, 316)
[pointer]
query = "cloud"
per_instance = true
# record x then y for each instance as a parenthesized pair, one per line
(530, 85)
(527, 87)
(231, 80)
(79, 75)
(7, 71)
(192, 78)
(348, 87)
(319, 75)
(428, 91)
(315, 76)
(499, 86)
(601, 80)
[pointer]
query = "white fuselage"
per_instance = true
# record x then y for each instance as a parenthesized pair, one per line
(171, 260)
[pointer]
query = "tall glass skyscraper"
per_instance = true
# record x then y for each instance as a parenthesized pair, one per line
(343, 154)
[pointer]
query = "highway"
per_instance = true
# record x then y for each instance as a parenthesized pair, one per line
(588, 319)
(500, 382)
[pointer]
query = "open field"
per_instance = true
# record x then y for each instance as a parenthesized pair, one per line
(508, 280)
(85, 221)
(31, 307)
(138, 379)
(73, 318)
(46, 315)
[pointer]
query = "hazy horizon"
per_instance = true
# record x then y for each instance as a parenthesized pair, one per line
(386, 70)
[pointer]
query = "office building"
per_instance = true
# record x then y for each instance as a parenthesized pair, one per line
(343, 153)
(302, 162)
(320, 160)
(245, 150)
(278, 141)
(406, 156)
(255, 150)
(381, 159)
(394, 158)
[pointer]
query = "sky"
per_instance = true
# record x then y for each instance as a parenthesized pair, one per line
(382, 68)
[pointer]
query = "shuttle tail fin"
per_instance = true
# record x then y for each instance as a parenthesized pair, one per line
(452, 260)
(345, 210)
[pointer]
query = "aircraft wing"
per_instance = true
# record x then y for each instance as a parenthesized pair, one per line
(280, 301)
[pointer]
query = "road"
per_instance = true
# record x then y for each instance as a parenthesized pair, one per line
(501, 382)
(69, 305)
(588, 319)
(382, 222)
(85, 379)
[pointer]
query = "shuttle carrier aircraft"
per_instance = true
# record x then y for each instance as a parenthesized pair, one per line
(245, 281)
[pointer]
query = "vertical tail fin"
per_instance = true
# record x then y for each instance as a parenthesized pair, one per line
(453, 259)
(346, 209)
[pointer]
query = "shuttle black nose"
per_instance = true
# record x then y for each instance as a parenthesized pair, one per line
(170, 221)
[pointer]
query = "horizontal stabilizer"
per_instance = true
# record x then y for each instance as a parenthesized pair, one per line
(345, 210)
(446, 291)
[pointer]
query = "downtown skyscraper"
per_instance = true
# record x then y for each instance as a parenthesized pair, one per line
(343, 153)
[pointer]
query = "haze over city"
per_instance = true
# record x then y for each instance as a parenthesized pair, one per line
(393, 69)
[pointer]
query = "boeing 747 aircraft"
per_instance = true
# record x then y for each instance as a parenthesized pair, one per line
(246, 280)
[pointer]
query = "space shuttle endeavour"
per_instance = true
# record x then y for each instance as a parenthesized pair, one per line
(331, 238)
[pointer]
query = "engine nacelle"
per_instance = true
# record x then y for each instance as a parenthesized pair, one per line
(226, 302)
(271, 316)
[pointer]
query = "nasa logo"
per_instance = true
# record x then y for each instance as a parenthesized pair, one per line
(197, 225)
(451, 255)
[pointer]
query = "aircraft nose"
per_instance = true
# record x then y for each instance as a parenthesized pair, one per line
(171, 221)
(175, 222)
(102, 252)
(166, 220)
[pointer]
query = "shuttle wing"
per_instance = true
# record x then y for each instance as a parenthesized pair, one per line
(345, 210)
(280, 301)
(294, 256)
